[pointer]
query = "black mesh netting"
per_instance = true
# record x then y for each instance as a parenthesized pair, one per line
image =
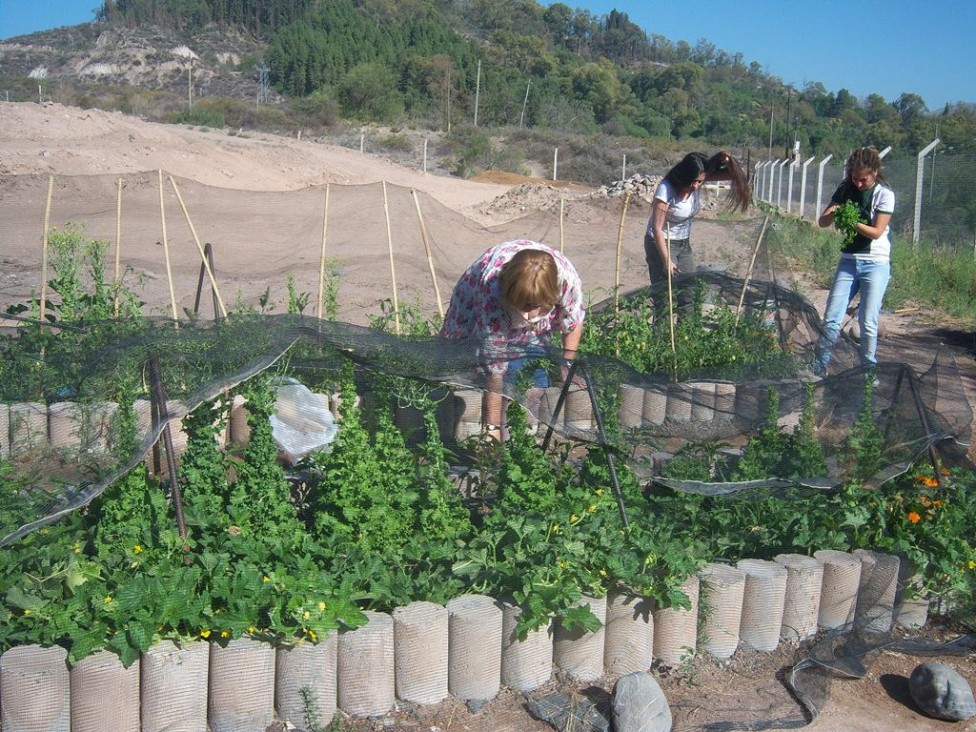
(636, 395)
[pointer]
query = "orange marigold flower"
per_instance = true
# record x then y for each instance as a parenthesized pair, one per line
(927, 480)
(914, 517)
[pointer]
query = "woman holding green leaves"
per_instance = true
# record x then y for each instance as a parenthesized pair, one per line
(861, 208)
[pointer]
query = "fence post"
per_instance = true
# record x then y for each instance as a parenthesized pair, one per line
(555, 163)
(803, 184)
(772, 175)
(779, 182)
(820, 174)
(919, 177)
(789, 187)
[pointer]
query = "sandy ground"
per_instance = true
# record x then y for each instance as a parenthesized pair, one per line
(601, 236)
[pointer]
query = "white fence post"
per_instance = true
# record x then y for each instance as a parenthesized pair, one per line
(772, 177)
(820, 174)
(555, 163)
(789, 187)
(919, 176)
(803, 184)
(779, 182)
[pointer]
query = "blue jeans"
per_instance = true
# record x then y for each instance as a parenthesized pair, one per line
(538, 378)
(854, 276)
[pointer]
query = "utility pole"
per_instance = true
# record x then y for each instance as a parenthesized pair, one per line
(477, 93)
(524, 102)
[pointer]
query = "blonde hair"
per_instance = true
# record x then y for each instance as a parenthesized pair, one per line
(529, 278)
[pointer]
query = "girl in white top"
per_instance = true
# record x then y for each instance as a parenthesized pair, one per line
(677, 201)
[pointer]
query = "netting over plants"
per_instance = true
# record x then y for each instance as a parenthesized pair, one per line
(690, 393)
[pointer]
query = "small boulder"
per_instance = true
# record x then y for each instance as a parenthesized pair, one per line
(639, 705)
(941, 692)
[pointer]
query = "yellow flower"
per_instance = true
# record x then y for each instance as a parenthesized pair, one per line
(107, 599)
(251, 629)
(137, 549)
(574, 519)
(603, 573)
(972, 564)
(225, 634)
(321, 606)
(27, 611)
(266, 578)
(204, 633)
(76, 547)
(591, 508)
(306, 615)
(599, 491)
(914, 517)
(313, 635)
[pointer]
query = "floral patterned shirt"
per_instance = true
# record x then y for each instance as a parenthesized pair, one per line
(476, 309)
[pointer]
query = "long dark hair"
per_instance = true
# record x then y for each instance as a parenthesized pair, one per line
(687, 170)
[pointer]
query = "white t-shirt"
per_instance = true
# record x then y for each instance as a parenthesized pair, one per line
(677, 222)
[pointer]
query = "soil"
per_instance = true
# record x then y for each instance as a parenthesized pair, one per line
(51, 140)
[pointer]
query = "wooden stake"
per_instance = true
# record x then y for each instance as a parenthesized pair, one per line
(562, 202)
(44, 243)
(745, 284)
(674, 349)
(118, 245)
(169, 271)
(203, 256)
(430, 260)
(620, 239)
(325, 229)
(389, 242)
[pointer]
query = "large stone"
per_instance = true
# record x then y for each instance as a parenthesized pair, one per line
(639, 705)
(941, 692)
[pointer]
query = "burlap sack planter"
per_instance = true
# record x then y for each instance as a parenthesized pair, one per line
(679, 403)
(721, 593)
(655, 407)
(420, 648)
(467, 405)
(105, 696)
(28, 426)
(578, 410)
(703, 401)
(474, 647)
(762, 603)
(305, 678)
(35, 690)
(366, 686)
(64, 422)
(242, 678)
(875, 609)
(238, 429)
(175, 682)
(578, 652)
(630, 407)
(526, 664)
(629, 635)
(676, 629)
(801, 606)
(838, 596)
(5, 431)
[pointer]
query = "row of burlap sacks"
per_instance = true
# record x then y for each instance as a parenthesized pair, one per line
(425, 652)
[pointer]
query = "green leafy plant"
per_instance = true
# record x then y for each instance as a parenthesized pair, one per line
(846, 217)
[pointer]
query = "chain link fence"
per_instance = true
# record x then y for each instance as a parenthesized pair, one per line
(940, 195)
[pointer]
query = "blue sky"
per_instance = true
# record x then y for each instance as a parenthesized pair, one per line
(886, 47)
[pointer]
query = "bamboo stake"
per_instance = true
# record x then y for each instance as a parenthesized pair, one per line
(745, 284)
(169, 271)
(674, 349)
(44, 243)
(430, 260)
(389, 242)
(562, 202)
(325, 229)
(620, 239)
(203, 256)
(118, 245)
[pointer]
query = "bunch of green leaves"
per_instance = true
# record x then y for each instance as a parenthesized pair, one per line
(846, 216)
(861, 451)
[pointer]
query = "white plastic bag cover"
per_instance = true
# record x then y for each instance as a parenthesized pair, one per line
(301, 423)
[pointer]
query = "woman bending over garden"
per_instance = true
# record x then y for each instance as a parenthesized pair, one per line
(512, 299)
(861, 208)
(677, 200)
